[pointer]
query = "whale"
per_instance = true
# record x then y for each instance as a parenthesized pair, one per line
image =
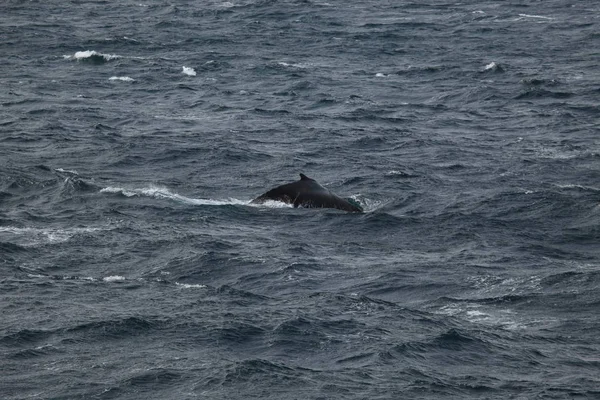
(308, 193)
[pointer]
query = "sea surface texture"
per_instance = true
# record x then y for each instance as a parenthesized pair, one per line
(134, 135)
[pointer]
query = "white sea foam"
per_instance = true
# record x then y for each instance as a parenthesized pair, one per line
(114, 278)
(88, 54)
(189, 286)
(368, 205)
(62, 277)
(491, 65)
(183, 117)
(85, 54)
(475, 313)
(292, 65)
(395, 172)
(272, 204)
(189, 71)
(380, 75)
(121, 78)
(163, 193)
(557, 153)
(67, 171)
(36, 276)
(580, 187)
(535, 16)
(489, 285)
(34, 236)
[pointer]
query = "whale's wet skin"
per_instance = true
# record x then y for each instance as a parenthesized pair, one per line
(134, 136)
(308, 193)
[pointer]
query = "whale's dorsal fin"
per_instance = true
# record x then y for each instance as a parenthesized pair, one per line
(308, 193)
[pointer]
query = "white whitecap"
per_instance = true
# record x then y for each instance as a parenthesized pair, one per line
(395, 172)
(535, 16)
(491, 65)
(114, 278)
(476, 313)
(189, 286)
(121, 78)
(504, 318)
(35, 236)
(82, 55)
(85, 54)
(201, 117)
(67, 171)
(189, 71)
(124, 192)
(368, 205)
(581, 187)
(294, 65)
(380, 75)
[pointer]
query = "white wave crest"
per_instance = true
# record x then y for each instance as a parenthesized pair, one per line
(535, 16)
(67, 171)
(491, 65)
(504, 318)
(189, 71)
(396, 172)
(190, 286)
(114, 278)
(36, 276)
(34, 236)
(580, 187)
(163, 193)
(91, 54)
(294, 65)
(121, 78)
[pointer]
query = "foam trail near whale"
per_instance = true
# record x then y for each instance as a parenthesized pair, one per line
(164, 193)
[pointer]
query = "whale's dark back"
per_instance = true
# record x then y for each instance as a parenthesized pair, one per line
(309, 194)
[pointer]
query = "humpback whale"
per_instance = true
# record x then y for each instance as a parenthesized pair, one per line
(309, 194)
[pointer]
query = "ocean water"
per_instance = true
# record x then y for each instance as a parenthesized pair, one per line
(134, 134)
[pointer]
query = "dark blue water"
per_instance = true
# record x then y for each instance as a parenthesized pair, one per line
(134, 134)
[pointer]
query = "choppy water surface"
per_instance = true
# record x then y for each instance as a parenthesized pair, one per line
(134, 135)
